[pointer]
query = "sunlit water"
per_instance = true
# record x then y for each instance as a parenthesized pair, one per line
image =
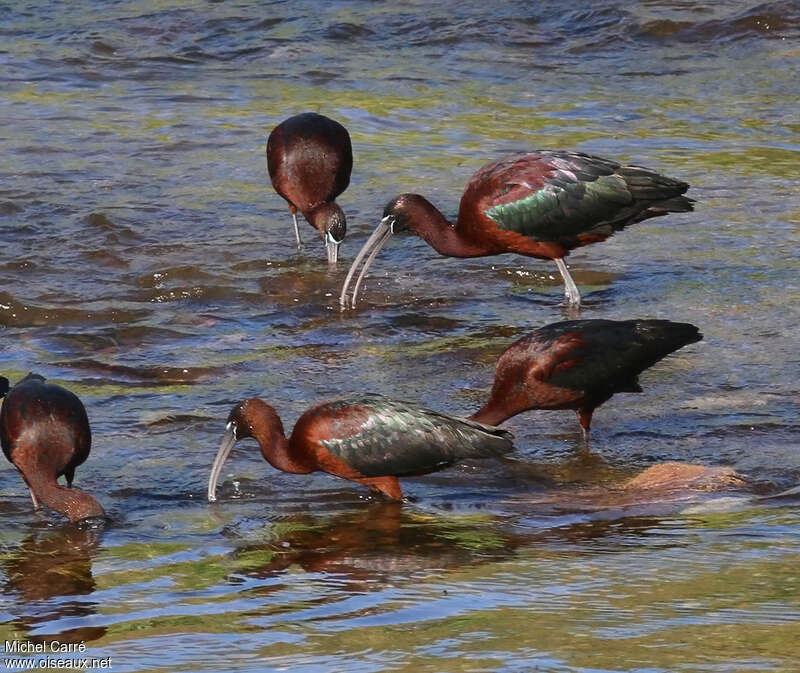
(147, 265)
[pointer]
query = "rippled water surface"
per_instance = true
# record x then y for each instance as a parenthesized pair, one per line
(147, 265)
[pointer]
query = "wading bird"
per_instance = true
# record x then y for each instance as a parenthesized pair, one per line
(542, 204)
(579, 364)
(365, 438)
(309, 159)
(44, 432)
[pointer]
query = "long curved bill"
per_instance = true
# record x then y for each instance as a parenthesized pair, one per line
(228, 440)
(369, 251)
(332, 247)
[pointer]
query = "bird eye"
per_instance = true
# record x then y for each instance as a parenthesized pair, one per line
(391, 222)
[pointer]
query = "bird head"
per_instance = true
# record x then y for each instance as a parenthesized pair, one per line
(398, 214)
(250, 418)
(404, 213)
(330, 222)
(238, 424)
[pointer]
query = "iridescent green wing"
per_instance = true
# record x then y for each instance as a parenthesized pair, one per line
(553, 195)
(561, 194)
(403, 438)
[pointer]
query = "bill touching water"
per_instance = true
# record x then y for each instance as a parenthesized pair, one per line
(149, 267)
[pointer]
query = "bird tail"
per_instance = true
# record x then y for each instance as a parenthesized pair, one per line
(647, 185)
(677, 204)
(653, 341)
(4, 388)
(664, 194)
(668, 336)
(490, 441)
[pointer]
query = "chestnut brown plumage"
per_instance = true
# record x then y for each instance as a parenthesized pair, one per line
(365, 438)
(309, 159)
(579, 364)
(541, 204)
(44, 432)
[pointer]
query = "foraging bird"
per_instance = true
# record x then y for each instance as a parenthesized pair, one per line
(579, 364)
(309, 159)
(541, 204)
(44, 432)
(365, 438)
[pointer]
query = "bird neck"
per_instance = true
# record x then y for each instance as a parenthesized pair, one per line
(492, 413)
(510, 394)
(70, 502)
(427, 222)
(275, 447)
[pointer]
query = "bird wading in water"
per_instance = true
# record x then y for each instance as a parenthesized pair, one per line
(309, 160)
(44, 432)
(365, 438)
(541, 204)
(579, 364)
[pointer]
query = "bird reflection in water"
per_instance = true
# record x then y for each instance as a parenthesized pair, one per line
(45, 573)
(390, 541)
(385, 541)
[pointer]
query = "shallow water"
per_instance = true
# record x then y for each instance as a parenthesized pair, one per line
(148, 266)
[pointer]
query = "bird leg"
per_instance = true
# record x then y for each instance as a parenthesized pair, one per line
(35, 501)
(297, 230)
(571, 293)
(585, 419)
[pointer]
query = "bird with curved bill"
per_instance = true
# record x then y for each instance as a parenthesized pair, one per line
(541, 204)
(366, 438)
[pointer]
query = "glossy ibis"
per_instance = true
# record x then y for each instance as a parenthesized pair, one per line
(44, 432)
(365, 438)
(579, 364)
(309, 159)
(541, 204)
